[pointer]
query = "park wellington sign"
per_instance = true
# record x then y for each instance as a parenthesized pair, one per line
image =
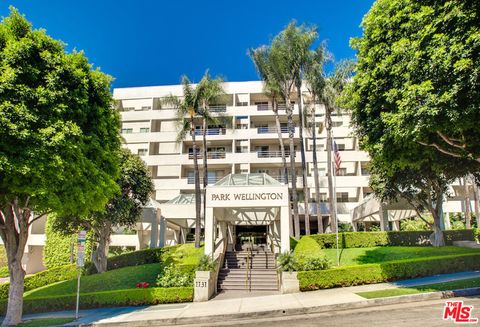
(250, 196)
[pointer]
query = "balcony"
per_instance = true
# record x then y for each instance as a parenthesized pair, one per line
(218, 108)
(210, 155)
(271, 154)
(266, 107)
(211, 131)
(210, 180)
(269, 130)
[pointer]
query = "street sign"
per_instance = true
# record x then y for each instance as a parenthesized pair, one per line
(82, 236)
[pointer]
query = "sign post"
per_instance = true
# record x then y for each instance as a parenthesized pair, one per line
(82, 236)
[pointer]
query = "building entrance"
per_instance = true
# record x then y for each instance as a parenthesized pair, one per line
(256, 235)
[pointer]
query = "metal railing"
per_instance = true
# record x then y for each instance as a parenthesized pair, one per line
(271, 154)
(210, 180)
(266, 107)
(212, 131)
(248, 278)
(273, 129)
(210, 155)
(218, 108)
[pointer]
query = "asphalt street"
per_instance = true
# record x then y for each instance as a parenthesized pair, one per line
(424, 314)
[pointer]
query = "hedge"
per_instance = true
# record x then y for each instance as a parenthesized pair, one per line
(43, 278)
(388, 271)
(371, 239)
(127, 297)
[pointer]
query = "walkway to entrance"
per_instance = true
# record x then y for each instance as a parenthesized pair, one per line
(241, 201)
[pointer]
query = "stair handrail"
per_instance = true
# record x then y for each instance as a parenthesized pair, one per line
(248, 282)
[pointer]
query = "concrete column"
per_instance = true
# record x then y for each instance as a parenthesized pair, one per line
(162, 231)
(285, 229)
(354, 226)
(154, 228)
(383, 214)
(209, 231)
(176, 236)
(396, 225)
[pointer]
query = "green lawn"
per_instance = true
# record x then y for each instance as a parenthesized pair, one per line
(116, 279)
(447, 286)
(357, 256)
(122, 278)
(46, 322)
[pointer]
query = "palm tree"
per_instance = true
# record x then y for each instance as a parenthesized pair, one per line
(315, 77)
(289, 53)
(301, 43)
(187, 117)
(261, 59)
(335, 83)
(208, 90)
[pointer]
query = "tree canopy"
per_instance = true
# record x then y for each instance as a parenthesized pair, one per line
(418, 71)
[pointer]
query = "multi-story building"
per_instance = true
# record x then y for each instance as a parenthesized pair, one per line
(249, 144)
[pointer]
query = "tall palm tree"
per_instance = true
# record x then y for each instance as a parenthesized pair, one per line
(315, 78)
(301, 43)
(187, 116)
(284, 71)
(334, 86)
(261, 59)
(208, 90)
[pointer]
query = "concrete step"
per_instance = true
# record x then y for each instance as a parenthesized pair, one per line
(239, 279)
(253, 272)
(243, 287)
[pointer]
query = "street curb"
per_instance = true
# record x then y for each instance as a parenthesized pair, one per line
(291, 312)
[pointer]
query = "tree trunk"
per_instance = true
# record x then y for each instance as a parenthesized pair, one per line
(100, 254)
(205, 167)
(476, 196)
(331, 195)
(468, 216)
(14, 233)
(280, 140)
(306, 195)
(437, 212)
(197, 188)
(291, 134)
(315, 171)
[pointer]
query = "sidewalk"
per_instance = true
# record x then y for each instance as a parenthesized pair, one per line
(249, 306)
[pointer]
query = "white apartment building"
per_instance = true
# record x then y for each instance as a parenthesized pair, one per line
(249, 145)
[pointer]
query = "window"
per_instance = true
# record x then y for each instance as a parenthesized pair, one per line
(142, 152)
(242, 104)
(144, 108)
(342, 197)
(341, 147)
(241, 117)
(342, 172)
(127, 130)
(337, 123)
(144, 130)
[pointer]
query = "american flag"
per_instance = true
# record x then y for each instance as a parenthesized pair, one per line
(336, 158)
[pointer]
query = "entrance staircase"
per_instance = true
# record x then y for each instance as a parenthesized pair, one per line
(249, 270)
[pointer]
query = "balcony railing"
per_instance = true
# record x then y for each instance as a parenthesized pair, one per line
(268, 130)
(218, 108)
(266, 107)
(210, 155)
(210, 180)
(281, 178)
(211, 131)
(271, 154)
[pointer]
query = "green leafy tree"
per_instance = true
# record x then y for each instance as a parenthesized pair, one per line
(59, 137)
(418, 68)
(124, 209)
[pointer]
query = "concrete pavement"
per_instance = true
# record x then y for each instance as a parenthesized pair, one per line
(265, 305)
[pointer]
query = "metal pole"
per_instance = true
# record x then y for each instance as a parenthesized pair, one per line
(78, 292)
(335, 202)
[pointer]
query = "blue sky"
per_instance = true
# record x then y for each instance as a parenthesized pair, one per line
(142, 42)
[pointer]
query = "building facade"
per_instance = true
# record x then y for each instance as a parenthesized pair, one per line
(248, 144)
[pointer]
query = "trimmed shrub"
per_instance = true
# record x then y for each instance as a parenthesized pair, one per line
(388, 271)
(371, 239)
(43, 278)
(171, 276)
(137, 258)
(127, 297)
